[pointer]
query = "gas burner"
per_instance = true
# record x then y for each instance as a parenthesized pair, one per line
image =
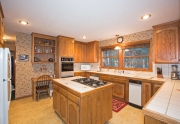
(90, 82)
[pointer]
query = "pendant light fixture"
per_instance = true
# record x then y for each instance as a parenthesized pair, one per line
(117, 47)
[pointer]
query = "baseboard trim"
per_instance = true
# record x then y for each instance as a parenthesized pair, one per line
(22, 97)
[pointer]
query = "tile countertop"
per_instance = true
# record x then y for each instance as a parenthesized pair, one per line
(80, 88)
(165, 104)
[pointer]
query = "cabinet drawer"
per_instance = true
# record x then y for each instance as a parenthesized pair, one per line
(63, 91)
(105, 77)
(73, 98)
(56, 87)
(119, 79)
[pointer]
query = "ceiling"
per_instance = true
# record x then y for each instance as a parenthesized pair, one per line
(97, 19)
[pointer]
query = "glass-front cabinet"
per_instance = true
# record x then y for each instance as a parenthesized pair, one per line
(136, 57)
(43, 48)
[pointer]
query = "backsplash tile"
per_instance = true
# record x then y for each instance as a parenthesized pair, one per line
(26, 70)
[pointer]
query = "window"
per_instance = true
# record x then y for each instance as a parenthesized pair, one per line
(136, 56)
(110, 58)
(131, 56)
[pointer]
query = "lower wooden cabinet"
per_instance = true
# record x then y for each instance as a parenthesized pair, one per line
(55, 100)
(146, 92)
(105, 77)
(63, 107)
(73, 113)
(83, 74)
(119, 90)
(155, 87)
(149, 89)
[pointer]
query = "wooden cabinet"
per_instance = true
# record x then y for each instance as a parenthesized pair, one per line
(166, 42)
(146, 92)
(86, 52)
(63, 107)
(66, 46)
(83, 74)
(79, 52)
(92, 51)
(55, 100)
(1, 27)
(120, 88)
(105, 77)
(155, 87)
(43, 48)
(73, 113)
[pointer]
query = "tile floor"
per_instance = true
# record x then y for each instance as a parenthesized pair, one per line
(25, 111)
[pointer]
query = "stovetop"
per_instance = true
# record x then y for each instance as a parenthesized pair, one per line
(90, 82)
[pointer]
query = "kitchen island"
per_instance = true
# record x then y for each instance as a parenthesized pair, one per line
(77, 103)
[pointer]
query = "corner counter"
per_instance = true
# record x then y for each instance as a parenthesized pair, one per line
(165, 104)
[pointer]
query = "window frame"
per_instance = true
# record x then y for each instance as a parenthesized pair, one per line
(121, 56)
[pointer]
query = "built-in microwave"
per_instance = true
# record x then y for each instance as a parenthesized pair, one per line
(67, 67)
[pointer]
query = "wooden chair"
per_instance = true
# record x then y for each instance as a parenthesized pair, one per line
(42, 86)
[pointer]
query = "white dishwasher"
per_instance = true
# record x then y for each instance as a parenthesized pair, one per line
(135, 93)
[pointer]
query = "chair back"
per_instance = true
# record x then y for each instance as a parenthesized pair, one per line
(43, 82)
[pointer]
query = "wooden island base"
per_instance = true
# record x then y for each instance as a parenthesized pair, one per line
(92, 107)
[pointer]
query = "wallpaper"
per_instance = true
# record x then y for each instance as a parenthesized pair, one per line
(129, 38)
(26, 70)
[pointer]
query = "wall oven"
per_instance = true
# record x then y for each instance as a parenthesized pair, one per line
(67, 67)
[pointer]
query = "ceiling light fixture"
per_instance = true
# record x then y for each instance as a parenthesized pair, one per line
(146, 16)
(84, 37)
(23, 22)
(117, 48)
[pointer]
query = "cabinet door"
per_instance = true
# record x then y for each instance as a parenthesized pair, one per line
(73, 113)
(63, 107)
(92, 51)
(66, 46)
(166, 45)
(70, 47)
(83, 52)
(146, 92)
(77, 52)
(55, 100)
(155, 88)
(119, 90)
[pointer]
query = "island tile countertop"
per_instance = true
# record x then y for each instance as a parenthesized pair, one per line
(77, 87)
(165, 103)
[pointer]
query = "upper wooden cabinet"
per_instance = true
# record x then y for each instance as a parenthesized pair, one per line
(1, 27)
(43, 48)
(79, 51)
(166, 42)
(86, 52)
(65, 46)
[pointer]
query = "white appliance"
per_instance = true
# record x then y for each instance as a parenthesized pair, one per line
(85, 67)
(5, 84)
(135, 93)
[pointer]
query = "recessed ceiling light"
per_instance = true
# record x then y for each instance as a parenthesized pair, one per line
(23, 22)
(146, 16)
(84, 37)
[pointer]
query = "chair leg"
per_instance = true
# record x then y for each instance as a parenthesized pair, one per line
(38, 95)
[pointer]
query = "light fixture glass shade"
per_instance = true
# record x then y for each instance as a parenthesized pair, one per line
(117, 48)
(146, 16)
(23, 22)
